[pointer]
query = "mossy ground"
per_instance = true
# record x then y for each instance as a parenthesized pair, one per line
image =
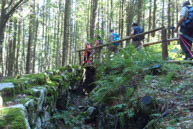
(12, 118)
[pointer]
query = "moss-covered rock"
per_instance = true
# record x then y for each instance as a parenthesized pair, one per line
(14, 118)
(38, 93)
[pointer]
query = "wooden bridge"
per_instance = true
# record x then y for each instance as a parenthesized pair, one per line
(164, 40)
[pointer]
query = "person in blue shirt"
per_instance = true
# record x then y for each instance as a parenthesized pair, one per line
(113, 37)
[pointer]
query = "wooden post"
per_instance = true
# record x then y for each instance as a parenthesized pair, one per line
(164, 44)
(80, 61)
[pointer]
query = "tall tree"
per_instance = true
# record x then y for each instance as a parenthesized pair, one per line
(18, 48)
(163, 14)
(29, 51)
(130, 15)
(150, 18)
(154, 16)
(140, 9)
(12, 50)
(7, 10)
(121, 18)
(169, 18)
(66, 28)
(94, 4)
(31, 37)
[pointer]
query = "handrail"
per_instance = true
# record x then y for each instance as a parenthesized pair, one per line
(180, 61)
(158, 42)
(120, 41)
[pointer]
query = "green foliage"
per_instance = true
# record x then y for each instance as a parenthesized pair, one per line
(118, 78)
(175, 51)
(71, 118)
(117, 74)
(170, 128)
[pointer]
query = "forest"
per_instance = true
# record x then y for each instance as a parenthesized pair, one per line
(38, 35)
(45, 82)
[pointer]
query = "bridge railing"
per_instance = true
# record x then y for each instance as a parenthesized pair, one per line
(163, 40)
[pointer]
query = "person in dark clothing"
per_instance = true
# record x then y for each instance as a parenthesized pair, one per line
(137, 41)
(185, 30)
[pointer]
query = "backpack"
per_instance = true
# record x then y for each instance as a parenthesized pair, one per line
(115, 38)
(88, 46)
(188, 23)
(100, 42)
(138, 30)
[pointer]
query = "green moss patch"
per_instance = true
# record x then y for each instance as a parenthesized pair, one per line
(12, 118)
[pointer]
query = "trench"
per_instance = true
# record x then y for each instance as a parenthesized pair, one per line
(96, 117)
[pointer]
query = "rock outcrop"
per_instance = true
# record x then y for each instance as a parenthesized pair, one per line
(29, 102)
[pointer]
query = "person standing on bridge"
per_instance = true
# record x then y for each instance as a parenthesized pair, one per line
(87, 53)
(137, 41)
(111, 38)
(99, 42)
(186, 29)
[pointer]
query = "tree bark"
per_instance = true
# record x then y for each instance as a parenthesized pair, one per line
(169, 18)
(130, 15)
(150, 18)
(154, 17)
(28, 58)
(66, 28)
(122, 20)
(94, 5)
(18, 49)
(140, 9)
(163, 8)
(10, 52)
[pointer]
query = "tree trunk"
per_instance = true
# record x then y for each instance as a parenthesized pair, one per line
(1, 45)
(14, 48)
(150, 18)
(140, 9)
(28, 58)
(122, 20)
(23, 61)
(111, 15)
(169, 18)
(18, 49)
(177, 10)
(35, 42)
(66, 28)
(130, 15)
(10, 52)
(163, 8)
(154, 17)
(94, 4)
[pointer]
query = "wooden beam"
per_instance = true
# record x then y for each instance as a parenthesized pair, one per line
(180, 61)
(158, 42)
(121, 41)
